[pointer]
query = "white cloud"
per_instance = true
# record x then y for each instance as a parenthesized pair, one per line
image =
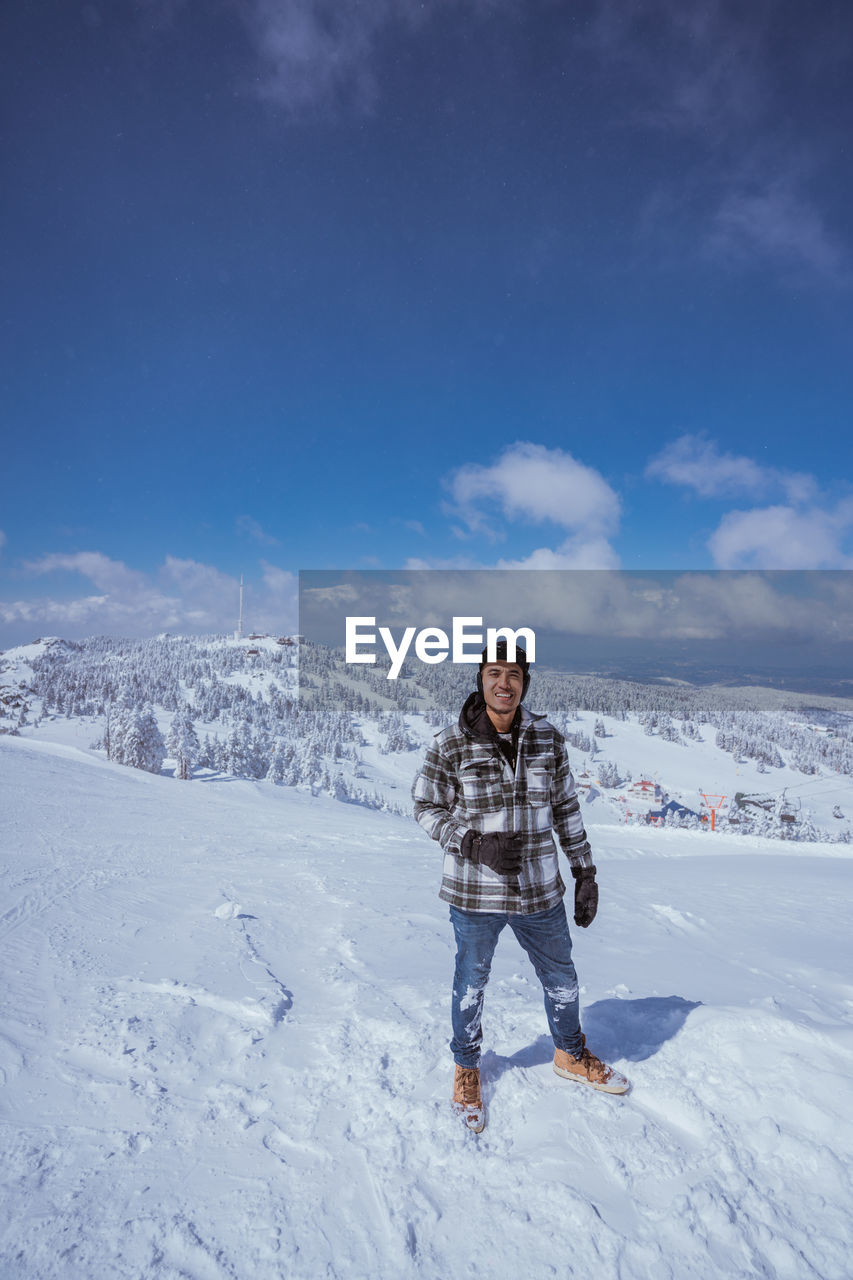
(697, 463)
(533, 483)
(108, 575)
(312, 55)
(280, 582)
(345, 593)
(322, 52)
(3, 539)
(37, 612)
(704, 69)
(208, 598)
(803, 532)
(776, 222)
(705, 605)
(450, 562)
(184, 596)
(574, 553)
(782, 537)
(697, 67)
(246, 525)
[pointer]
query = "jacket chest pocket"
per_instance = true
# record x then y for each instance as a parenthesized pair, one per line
(538, 777)
(481, 787)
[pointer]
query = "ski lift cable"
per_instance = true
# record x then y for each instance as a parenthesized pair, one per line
(828, 784)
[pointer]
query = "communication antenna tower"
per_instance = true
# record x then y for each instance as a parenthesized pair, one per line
(238, 634)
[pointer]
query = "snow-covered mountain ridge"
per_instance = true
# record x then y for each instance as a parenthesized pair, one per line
(299, 716)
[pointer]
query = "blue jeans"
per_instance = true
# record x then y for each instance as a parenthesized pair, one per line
(544, 935)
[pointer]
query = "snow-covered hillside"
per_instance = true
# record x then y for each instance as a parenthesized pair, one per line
(268, 707)
(224, 1048)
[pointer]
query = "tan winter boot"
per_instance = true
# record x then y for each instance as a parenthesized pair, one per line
(468, 1098)
(587, 1069)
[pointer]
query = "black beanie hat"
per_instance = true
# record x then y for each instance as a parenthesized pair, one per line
(520, 660)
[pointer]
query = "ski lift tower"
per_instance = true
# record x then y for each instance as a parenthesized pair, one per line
(713, 803)
(238, 634)
(788, 810)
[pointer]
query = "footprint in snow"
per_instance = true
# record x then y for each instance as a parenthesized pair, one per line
(683, 920)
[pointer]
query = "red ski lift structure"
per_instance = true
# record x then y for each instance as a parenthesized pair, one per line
(713, 803)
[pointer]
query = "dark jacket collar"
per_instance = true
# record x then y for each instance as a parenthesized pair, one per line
(474, 721)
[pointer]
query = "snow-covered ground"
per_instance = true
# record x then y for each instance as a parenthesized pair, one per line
(223, 1050)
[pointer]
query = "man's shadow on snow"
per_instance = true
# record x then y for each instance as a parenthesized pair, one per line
(629, 1029)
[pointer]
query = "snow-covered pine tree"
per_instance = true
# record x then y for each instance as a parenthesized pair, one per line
(340, 790)
(182, 742)
(608, 774)
(278, 763)
(118, 724)
(207, 753)
(399, 738)
(238, 752)
(142, 745)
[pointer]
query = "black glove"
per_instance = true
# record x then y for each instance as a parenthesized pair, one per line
(500, 850)
(586, 895)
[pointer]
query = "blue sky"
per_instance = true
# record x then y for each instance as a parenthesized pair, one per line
(300, 284)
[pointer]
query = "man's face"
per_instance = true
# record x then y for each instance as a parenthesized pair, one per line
(502, 686)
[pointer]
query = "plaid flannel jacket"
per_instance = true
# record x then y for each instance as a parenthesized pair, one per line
(466, 783)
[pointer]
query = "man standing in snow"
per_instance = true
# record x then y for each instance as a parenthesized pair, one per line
(491, 791)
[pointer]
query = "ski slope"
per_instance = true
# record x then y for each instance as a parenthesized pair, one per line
(223, 1050)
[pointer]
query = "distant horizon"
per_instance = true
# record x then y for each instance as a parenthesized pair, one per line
(825, 681)
(774, 629)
